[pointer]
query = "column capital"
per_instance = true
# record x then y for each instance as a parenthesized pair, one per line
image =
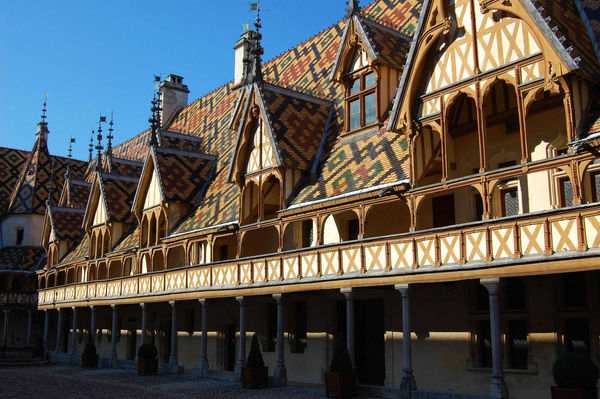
(347, 292)
(278, 297)
(143, 305)
(241, 300)
(172, 303)
(203, 302)
(114, 306)
(74, 308)
(491, 284)
(402, 288)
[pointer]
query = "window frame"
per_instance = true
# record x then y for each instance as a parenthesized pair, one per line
(360, 96)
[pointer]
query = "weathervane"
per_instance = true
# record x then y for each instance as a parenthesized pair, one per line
(91, 146)
(44, 108)
(70, 156)
(155, 121)
(99, 145)
(109, 144)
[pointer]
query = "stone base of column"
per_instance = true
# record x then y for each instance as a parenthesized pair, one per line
(408, 382)
(114, 362)
(172, 366)
(203, 364)
(280, 375)
(498, 388)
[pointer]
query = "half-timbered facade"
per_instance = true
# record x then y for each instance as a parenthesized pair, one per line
(421, 178)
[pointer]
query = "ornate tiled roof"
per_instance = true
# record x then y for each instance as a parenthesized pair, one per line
(388, 45)
(298, 123)
(358, 162)
(130, 240)
(80, 251)
(66, 222)
(21, 258)
(118, 193)
(592, 11)
(79, 191)
(11, 163)
(126, 167)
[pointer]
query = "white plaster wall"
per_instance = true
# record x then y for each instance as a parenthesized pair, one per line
(32, 229)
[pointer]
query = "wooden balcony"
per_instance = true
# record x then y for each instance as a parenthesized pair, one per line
(555, 241)
(20, 299)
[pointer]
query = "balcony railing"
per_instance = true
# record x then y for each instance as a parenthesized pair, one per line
(18, 298)
(494, 242)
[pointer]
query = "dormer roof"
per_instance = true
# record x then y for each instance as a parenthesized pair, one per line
(65, 223)
(115, 193)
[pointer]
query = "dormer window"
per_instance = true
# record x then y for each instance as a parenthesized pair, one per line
(362, 103)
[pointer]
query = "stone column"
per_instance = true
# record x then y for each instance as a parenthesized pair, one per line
(408, 382)
(349, 322)
(46, 326)
(74, 332)
(58, 348)
(144, 322)
(280, 372)
(203, 364)
(242, 348)
(173, 368)
(498, 388)
(114, 362)
(5, 327)
(93, 325)
(29, 326)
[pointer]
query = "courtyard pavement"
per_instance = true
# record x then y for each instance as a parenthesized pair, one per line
(67, 382)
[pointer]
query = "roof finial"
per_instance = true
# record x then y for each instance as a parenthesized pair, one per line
(99, 146)
(109, 144)
(70, 156)
(91, 146)
(51, 181)
(256, 50)
(155, 118)
(353, 8)
(44, 108)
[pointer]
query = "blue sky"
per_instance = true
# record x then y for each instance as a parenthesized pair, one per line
(92, 57)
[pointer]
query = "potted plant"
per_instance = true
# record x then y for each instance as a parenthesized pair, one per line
(255, 374)
(340, 381)
(89, 357)
(147, 361)
(575, 375)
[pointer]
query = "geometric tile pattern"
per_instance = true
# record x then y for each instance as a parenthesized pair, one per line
(21, 258)
(11, 161)
(389, 47)
(66, 222)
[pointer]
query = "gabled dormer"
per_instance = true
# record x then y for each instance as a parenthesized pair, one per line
(369, 62)
(280, 135)
(62, 229)
(170, 183)
(107, 214)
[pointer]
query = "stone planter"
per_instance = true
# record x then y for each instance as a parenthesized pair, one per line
(255, 377)
(340, 385)
(574, 393)
(147, 366)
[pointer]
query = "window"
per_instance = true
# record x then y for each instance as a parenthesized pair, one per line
(443, 210)
(353, 229)
(510, 202)
(361, 100)
(271, 328)
(485, 344)
(596, 187)
(577, 335)
(307, 233)
(20, 233)
(513, 291)
(566, 192)
(574, 290)
(517, 344)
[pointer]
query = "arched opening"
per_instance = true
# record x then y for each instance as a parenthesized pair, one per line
(342, 226)
(127, 269)
(102, 272)
(224, 247)
(152, 231)
(71, 276)
(61, 278)
(441, 210)
(509, 198)
(260, 241)
(144, 232)
(106, 244)
(388, 218)
(250, 203)
(300, 234)
(79, 275)
(42, 283)
(51, 281)
(462, 137)
(200, 253)
(503, 141)
(427, 150)
(546, 126)
(93, 246)
(158, 261)
(162, 226)
(175, 257)
(146, 261)
(114, 269)
(92, 273)
(271, 190)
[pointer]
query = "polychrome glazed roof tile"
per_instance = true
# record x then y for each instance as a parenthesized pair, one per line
(66, 222)
(21, 258)
(389, 45)
(80, 251)
(118, 192)
(11, 163)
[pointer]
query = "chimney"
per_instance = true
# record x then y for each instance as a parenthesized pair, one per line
(173, 96)
(244, 57)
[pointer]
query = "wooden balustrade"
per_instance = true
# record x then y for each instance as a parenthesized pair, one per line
(554, 232)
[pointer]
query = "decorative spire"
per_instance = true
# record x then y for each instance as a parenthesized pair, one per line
(44, 108)
(99, 146)
(91, 146)
(109, 144)
(154, 120)
(256, 49)
(42, 127)
(353, 8)
(70, 156)
(51, 183)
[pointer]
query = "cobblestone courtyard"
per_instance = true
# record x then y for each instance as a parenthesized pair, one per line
(64, 382)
